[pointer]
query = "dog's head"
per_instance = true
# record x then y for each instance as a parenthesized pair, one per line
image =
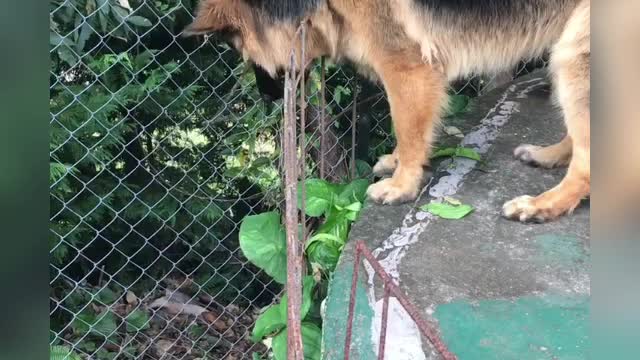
(263, 31)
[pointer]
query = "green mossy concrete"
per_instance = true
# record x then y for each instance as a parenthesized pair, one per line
(561, 250)
(337, 311)
(529, 328)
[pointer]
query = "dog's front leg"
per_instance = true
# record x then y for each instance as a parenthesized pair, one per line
(415, 93)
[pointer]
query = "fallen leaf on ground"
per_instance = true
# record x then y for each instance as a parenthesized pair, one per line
(131, 298)
(456, 152)
(215, 320)
(163, 347)
(453, 131)
(448, 211)
(176, 307)
(452, 201)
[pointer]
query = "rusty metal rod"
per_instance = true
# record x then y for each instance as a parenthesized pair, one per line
(413, 312)
(352, 306)
(303, 127)
(383, 324)
(295, 349)
(323, 105)
(354, 117)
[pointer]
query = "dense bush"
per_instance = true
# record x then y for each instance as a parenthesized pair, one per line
(159, 149)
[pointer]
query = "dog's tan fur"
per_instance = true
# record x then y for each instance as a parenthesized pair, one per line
(414, 53)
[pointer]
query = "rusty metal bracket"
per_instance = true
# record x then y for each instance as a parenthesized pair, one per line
(389, 288)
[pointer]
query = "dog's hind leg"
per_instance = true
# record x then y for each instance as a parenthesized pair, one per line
(416, 93)
(570, 64)
(551, 156)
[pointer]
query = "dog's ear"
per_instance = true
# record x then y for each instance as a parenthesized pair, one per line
(214, 15)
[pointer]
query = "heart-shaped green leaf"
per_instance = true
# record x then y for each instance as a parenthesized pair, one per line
(263, 242)
(324, 253)
(355, 191)
(319, 196)
(268, 323)
(275, 317)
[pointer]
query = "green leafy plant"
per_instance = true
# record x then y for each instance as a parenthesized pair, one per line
(311, 340)
(140, 138)
(262, 240)
(274, 319)
(60, 352)
(339, 205)
(137, 320)
(101, 324)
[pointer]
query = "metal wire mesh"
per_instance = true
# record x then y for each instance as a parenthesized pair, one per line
(159, 146)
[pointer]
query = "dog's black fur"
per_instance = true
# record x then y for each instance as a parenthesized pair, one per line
(270, 89)
(480, 6)
(284, 10)
(292, 10)
(469, 12)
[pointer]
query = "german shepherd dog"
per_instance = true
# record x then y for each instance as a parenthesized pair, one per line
(414, 48)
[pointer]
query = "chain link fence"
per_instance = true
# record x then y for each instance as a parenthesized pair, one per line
(159, 147)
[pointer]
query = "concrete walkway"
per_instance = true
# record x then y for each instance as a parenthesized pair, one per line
(494, 288)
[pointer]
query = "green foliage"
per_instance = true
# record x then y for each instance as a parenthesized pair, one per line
(102, 324)
(340, 205)
(321, 196)
(274, 318)
(311, 341)
(106, 296)
(159, 146)
(262, 239)
(59, 352)
(457, 105)
(363, 169)
(308, 286)
(447, 210)
(137, 320)
(263, 242)
(268, 323)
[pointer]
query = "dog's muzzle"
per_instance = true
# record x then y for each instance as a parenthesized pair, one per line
(270, 89)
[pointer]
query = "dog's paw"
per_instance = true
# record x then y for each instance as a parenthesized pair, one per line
(388, 191)
(540, 156)
(386, 165)
(530, 209)
(524, 153)
(520, 208)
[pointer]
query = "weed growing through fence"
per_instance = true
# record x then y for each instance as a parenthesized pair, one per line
(334, 207)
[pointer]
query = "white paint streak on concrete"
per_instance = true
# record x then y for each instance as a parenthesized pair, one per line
(481, 138)
(404, 341)
(415, 223)
(395, 247)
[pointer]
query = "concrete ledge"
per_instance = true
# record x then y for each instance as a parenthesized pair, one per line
(497, 289)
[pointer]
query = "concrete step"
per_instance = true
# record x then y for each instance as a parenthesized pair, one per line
(495, 288)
